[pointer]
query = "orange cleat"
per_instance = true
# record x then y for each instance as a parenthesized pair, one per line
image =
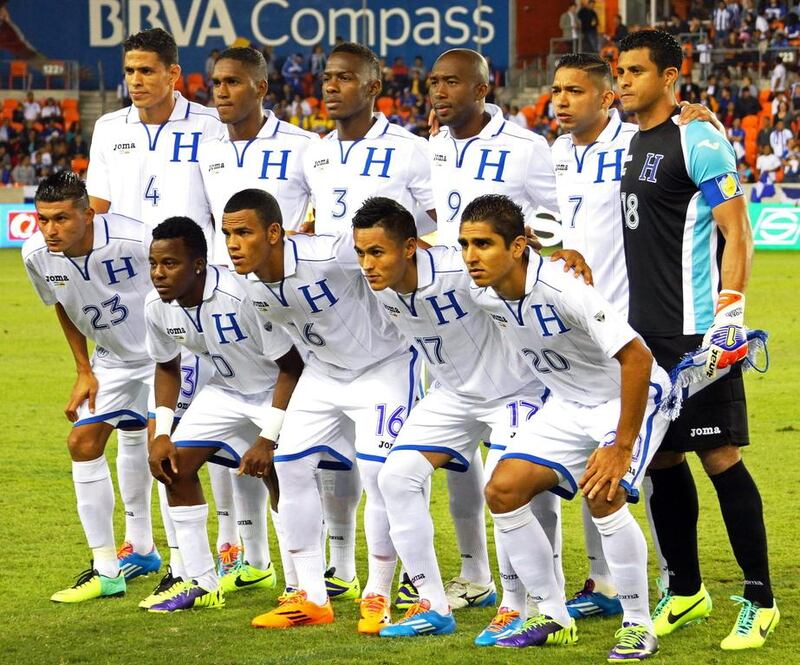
(374, 614)
(294, 609)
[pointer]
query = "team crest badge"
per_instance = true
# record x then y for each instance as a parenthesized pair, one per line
(728, 185)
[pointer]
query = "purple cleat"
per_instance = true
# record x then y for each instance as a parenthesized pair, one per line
(187, 598)
(540, 630)
(634, 643)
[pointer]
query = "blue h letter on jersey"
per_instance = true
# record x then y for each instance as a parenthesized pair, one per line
(543, 320)
(326, 293)
(283, 163)
(451, 296)
(371, 160)
(498, 165)
(176, 150)
(112, 271)
(233, 326)
(617, 164)
(650, 167)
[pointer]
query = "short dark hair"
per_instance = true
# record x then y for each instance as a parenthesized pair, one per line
(250, 57)
(500, 211)
(188, 230)
(266, 207)
(664, 49)
(360, 51)
(379, 211)
(591, 63)
(62, 186)
(157, 41)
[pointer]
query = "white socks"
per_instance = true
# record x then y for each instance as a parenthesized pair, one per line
(598, 568)
(514, 594)
(95, 496)
(341, 494)
(402, 481)
(381, 554)
(289, 573)
(546, 508)
(626, 553)
(531, 555)
(135, 488)
(250, 498)
(467, 509)
(192, 536)
(175, 558)
(301, 522)
(222, 489)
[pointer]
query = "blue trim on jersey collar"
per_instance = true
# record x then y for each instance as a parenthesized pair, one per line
(529, 284)
(460, 158)
(344, 155)
(579, 160)
(240, 157)
(96, 244)
(424, 279)
(152, 141)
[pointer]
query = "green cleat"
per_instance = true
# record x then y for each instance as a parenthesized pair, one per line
(167, 587)
(674, 612)
(89, 585)
(753, 625)
(244, 577)
(339, 589)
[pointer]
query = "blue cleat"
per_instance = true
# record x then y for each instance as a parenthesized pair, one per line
(634, 643)
(504, 623)
(590, 603)
(134, 565)
(540, 630)
(421, 620)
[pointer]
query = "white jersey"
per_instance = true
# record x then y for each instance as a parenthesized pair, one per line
(222, 328)
(151, 172)
(103, 292)
(588, 184)
(389, 161)
(463, 349)
(503, 158)
(272, 161)
(566, 331)
(327, 307)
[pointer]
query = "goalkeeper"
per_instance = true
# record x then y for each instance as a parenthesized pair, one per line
(688, 247)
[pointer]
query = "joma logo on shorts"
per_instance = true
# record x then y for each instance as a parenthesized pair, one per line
(704, 431)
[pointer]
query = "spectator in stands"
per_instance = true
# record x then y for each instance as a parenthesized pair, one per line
(24, 173)
(736, 137)
(775, 10)
(777, 82)
(722, 23)
(783, 113)
(7, 133)
(5, 170)
(51, 110)
(400, 73)
(689, 90)
(779, 139)
(299, 109)
(698, 11)
(292, 72)
(589, 22)
(568, 22)
(418, 68)
(762, 139)
(792, 25)
(620, 30)
(746, 104)
(78, 145)
(211, 60)
(518, 117)
(747, 82)
(31, 110)
(703, 49)
(317, 68)
(767, 165)
(745, 172)
(735, 11)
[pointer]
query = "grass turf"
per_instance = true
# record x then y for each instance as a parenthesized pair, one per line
(44, 547)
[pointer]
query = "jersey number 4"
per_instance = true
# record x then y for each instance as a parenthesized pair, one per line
(151, 191)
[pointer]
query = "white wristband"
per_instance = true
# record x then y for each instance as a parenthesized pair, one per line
(164, 419)
(272, 423)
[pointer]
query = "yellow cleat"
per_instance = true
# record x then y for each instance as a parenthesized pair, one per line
(374, 614)
(753, 625)
(674, 612)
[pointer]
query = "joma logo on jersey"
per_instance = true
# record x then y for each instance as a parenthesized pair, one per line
(393, 311)
(704, 431)
(439, 158)
(214, 168)
(503, 321)
(562, 167)
(319, 163)
(261, 304)
(56, 279)
(176, 331)
(124, 147)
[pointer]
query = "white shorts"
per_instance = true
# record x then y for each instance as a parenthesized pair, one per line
(223, 419)
(347, 420)
(563, 435)
(122, 394)
(445, 422)
(195, 373)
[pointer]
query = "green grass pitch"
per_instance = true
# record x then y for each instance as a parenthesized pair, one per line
(43, 547)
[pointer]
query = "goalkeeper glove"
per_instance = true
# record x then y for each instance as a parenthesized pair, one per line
(726, 340)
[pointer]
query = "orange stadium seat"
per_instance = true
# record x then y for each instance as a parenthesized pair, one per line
(71, 116)
(764, 96)
(180, 85)
(195, 82)
(385, 105)
(530, 115)
(18, 69)
(69, 104)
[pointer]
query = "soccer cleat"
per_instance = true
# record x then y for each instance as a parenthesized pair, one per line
(753, 625)
(135, 565)
(540, 630)
(295, 609)
(673, 612)
(462, 593)
(590, 603)
(634, 643)
(91, 584)
(229, 557)
(374, 614)
(339, 589)
(166, 588)
(421, 620)
(505, 623)
(244, 577)
(191, 596)
(407, 594)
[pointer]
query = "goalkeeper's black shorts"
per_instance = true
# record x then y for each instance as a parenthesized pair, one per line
(713, 417)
